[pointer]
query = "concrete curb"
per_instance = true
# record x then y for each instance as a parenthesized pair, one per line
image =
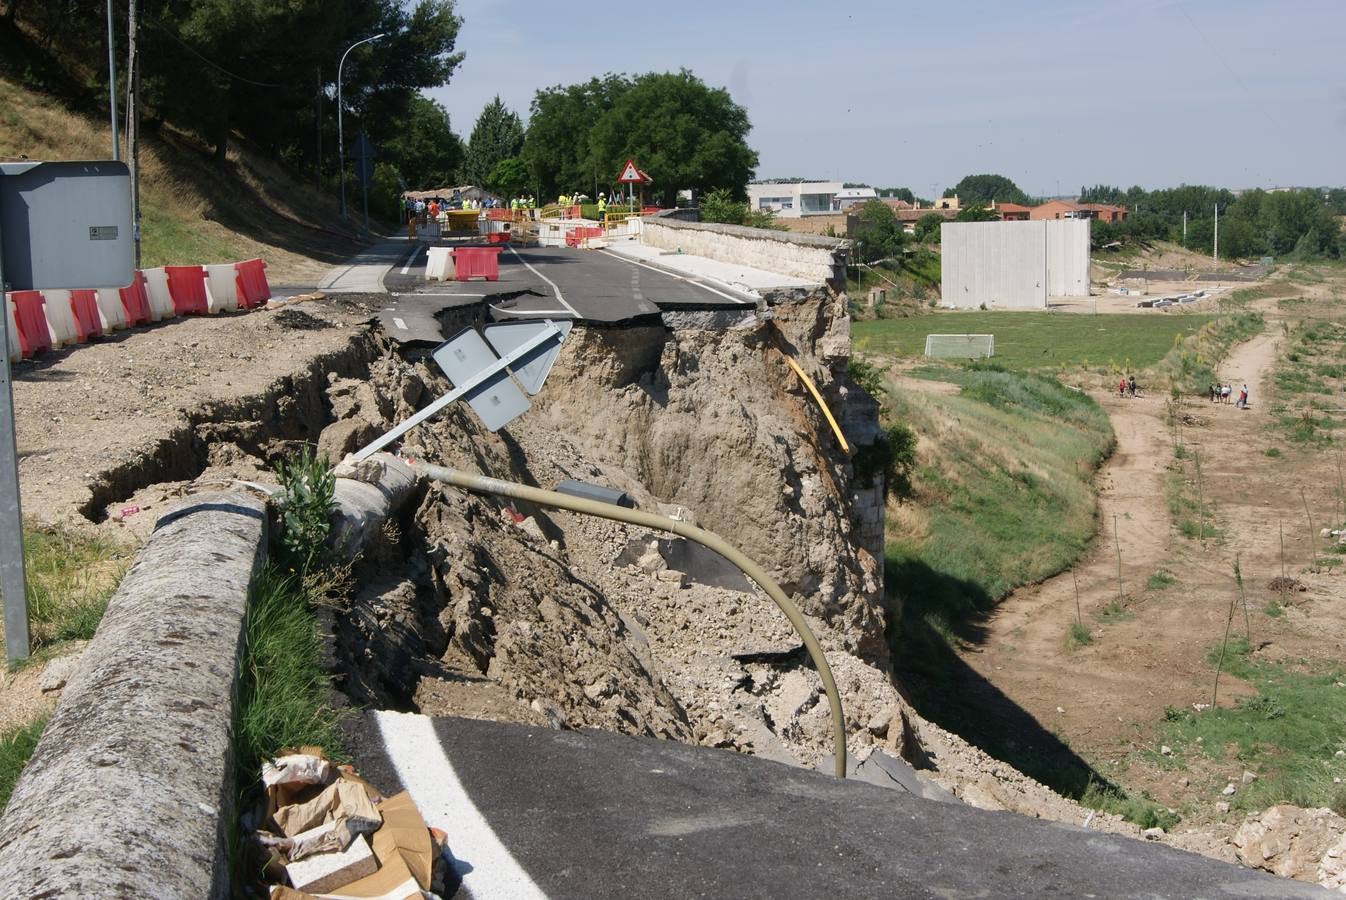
(130, 791)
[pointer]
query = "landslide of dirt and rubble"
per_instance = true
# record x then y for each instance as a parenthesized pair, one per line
(484, 607)
(477, 606)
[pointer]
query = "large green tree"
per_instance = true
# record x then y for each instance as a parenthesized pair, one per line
(681, 132)
(261, 70)
(556, 147)
(878, 234)
(497, 136)
(986, 188)
(423, 148)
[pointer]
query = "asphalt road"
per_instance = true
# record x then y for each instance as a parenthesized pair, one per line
(587, 285)
(532, 812)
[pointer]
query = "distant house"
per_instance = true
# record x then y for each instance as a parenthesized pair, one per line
(790, 200)
(1068, 209)
(1011, 212)
(946, 203)
(907, 216)
(848, 197)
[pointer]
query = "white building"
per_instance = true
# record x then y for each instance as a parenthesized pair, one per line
(848, 197)
(791, 201)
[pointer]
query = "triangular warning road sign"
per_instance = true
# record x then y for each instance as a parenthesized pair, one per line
(532, 369)
(630, 174)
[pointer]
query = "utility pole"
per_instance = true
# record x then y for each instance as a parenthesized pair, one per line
(1184, 229)
(1215, 255)
(112, 84)
(317, 126)
(133, 119)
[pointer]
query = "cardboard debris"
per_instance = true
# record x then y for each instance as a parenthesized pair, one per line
(324, 872)
(320, 828)
(343, 803)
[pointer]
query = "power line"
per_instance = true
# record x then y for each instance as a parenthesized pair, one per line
(192, 50)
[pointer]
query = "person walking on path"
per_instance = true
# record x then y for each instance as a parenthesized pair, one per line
(1131, 386)
(1210, 390)
(1243, 397)
(1225, 391)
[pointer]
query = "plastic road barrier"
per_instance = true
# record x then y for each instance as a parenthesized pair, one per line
(438, 264)
(187, 287)
(110, 309)
(498, 237)
(34, 336)
(17, 345)
(156, 288)
(135, 300)
(477, 262)
(60, 318)
(252, 289)
(223, 283)
(84, 310)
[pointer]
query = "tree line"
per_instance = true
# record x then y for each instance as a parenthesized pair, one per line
(266, 70)
(1303, 223)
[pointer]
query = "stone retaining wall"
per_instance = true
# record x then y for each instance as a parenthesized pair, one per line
(816, 258)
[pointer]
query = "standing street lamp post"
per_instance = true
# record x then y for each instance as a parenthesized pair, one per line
(341, 143)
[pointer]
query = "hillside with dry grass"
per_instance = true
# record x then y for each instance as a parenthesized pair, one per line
(194, 210)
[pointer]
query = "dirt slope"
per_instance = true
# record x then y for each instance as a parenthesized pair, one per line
(1103, 699)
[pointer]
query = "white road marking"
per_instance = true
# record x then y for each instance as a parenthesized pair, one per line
(529, 312)
(415, 751)
(559, 299)
(691, 281)
(399, 323)
(416, 251)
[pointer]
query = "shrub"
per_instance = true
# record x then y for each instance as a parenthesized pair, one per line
(894, 456)
(307, 491)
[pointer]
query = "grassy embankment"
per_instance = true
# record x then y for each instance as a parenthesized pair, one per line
(1288, 733)
(1003, 498)
(70, 578)
(1040, 340)
(193, 210)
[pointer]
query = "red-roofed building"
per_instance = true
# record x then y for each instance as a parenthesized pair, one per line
(1068, 209)
(1012, 212)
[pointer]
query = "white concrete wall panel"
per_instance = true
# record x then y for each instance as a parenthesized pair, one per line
(1013, 265)
(796, 255)
(1002, 265)
(1067, 257)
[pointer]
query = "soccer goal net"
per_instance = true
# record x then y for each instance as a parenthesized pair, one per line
(959, 346)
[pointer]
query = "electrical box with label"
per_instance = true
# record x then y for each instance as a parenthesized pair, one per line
(66, 225)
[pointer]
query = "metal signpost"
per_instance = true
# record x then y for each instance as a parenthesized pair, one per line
(527, 349)
(66, 225)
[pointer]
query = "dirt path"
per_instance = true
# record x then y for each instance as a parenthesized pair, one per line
(1149, 643)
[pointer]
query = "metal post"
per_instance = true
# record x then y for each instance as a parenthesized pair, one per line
(365, 173)
(1216, 254)
(112, 84)
(13, 584)
(317, 120)
(341, 142)
(133, 120)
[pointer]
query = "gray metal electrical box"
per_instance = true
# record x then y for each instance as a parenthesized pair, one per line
(66, 225)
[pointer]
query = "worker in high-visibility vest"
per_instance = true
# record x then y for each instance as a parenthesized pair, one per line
(602, 204)
(513, 202)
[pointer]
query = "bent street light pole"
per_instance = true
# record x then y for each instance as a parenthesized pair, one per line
(341, 143)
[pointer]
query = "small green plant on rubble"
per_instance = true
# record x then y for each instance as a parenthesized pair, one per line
(308, 488)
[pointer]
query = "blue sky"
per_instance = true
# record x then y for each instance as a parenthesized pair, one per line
(1052, 94)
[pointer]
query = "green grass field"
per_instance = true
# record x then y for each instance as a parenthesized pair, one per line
(1030, 340)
